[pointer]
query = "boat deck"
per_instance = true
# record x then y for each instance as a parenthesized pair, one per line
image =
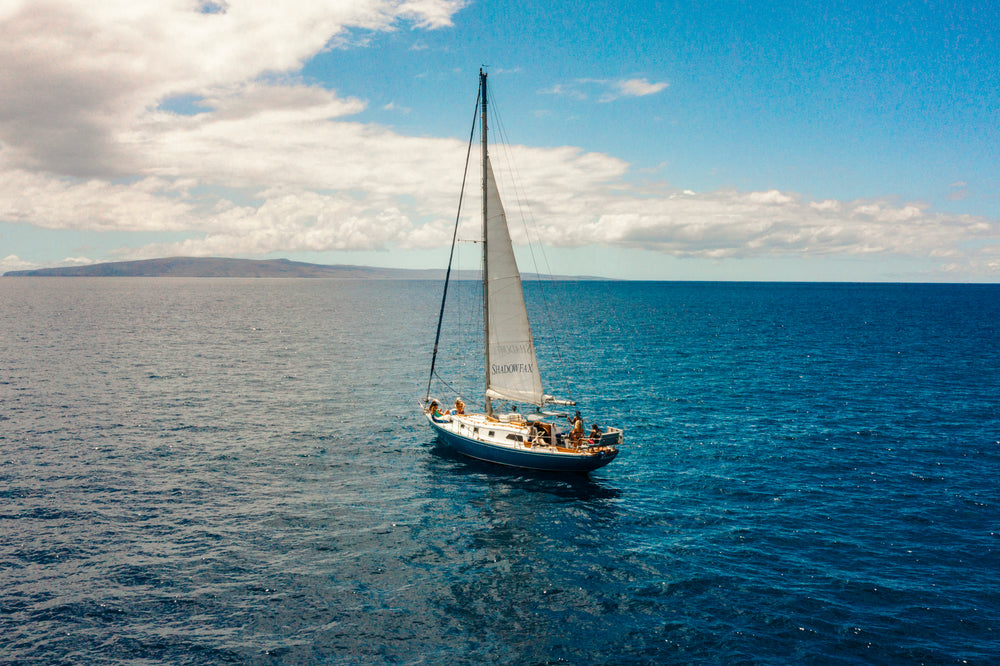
(514, 431)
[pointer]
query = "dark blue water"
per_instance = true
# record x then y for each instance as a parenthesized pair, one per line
(229, 471)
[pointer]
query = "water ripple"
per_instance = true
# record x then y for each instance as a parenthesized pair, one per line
(228, 471)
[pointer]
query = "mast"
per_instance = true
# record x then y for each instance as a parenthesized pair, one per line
(486, 271)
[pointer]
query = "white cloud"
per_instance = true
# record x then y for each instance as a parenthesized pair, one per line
(49, 201)
(75, 72)
(632, 88)
(605, 90)
(766, 224)
(294, 221)
(77, 261)
(12, 262)
(271, 164)
(84, 146)
(572, 90)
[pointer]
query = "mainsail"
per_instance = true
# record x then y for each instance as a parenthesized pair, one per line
(513, 368)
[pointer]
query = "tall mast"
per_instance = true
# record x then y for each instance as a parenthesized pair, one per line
(486, 271)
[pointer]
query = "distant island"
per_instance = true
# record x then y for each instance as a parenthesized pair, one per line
(223, 267)
(244, 268)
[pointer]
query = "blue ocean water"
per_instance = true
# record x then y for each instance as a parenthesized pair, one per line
(235, 471)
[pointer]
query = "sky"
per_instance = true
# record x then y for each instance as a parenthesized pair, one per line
(772, 140)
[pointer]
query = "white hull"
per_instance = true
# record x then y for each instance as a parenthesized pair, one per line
(505, 440)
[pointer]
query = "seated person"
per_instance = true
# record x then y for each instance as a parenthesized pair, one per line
(538, 433)
(435, 411)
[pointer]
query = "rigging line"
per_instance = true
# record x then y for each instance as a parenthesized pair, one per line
(451, 254)
(446, 385)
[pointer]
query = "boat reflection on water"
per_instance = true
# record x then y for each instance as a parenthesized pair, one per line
(562, 485)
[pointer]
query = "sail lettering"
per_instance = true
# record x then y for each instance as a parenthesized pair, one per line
(507, 368)
(511, 350)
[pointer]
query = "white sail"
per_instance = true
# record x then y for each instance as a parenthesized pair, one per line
(513, 370)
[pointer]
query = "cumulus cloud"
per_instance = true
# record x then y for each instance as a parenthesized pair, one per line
(75, 73)
(49, 201)
(759, 224)
(262, 162)
(87, 140)
(300, 221)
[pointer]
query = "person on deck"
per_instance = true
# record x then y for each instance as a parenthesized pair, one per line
(534, 433)
(576, 436)
(595, 433)
(459, 406)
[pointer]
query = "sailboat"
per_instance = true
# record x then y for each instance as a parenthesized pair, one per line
(541, 439)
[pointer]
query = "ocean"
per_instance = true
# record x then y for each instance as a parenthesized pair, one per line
(229, 471)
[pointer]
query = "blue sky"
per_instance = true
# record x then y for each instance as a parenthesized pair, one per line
(710, 141)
